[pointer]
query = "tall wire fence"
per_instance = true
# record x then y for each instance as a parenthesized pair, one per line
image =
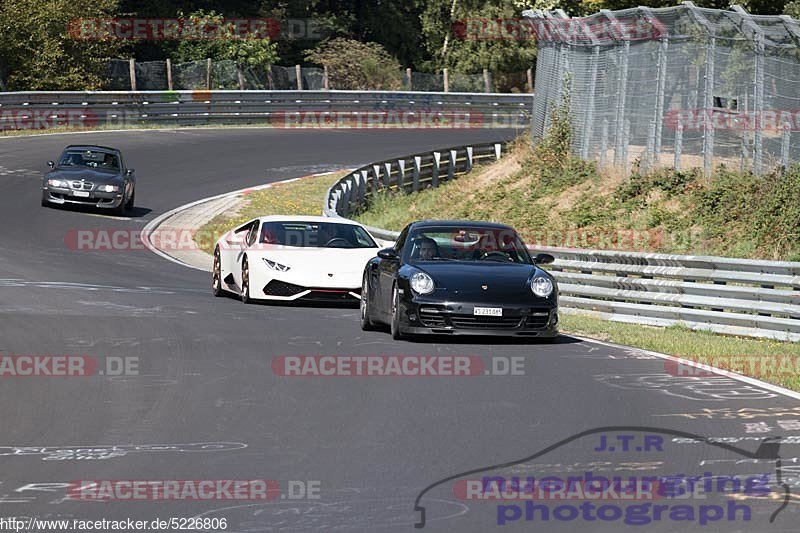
(682, 86)
(123, 75)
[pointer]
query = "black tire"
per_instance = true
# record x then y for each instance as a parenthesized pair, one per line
(216, 276)
(246, 282)
(130, 202)
(120, 209)
(366, 320)
(45, 203)
(394, 323)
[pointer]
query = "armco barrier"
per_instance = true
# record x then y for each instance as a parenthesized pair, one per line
(282, 108)
(724, 295)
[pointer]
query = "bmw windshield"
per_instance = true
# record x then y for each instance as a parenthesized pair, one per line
(90, 159)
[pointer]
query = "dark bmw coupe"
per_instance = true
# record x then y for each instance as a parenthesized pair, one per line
(457, 277)
(90, 175)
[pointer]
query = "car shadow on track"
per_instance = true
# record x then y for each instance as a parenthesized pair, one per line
(136, 212)
(490, 340)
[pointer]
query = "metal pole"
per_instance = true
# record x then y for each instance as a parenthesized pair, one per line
(132, 70)
(678, 143)
(588, 124)
(758, 106)
(604, 142)
(487, 81)
(299, 75)
(787, 131)
(708, 107)
(208, 74)
(446, 77)
(622, 89)
(409, 82)
(169, 74)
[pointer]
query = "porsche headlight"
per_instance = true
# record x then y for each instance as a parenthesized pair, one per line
(421, 283)
(542, 287)
(108, 188)
(276, 266)
(61, 184)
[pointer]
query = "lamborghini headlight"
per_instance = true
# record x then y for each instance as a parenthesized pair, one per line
(276, 266)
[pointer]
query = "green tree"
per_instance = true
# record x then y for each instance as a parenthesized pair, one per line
(247, 52)
(357, 66)
(462, 36)
(38, 51)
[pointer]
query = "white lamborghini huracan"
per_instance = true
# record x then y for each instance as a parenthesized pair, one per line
(293, 257)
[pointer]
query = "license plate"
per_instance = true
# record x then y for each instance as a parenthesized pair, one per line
(487, 311)
(80, 194)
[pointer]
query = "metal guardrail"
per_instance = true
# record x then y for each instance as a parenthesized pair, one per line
(724, 295)
(408, 173)
(462, 110)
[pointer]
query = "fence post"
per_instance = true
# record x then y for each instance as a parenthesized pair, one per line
(409, 81)
(437, 158)
(498, 151)
(626, 141)
(487, 81)
(132, 70)
(604, 143)
(787, 131)
(469, 158)
(589, 122)
(451, 168)
(530, 80)
(678, 143)
(401, 174)
(622, 89)
(362, 189)
(415, 178)
(299, 74)
(387, 176)
(376, 177)
(649, 159)
(169, 74)
(325, 82)
(208, 74)
(708, 129)
(446, 78)
(240, 76)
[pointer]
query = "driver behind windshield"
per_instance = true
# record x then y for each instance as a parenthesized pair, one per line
(427, 248)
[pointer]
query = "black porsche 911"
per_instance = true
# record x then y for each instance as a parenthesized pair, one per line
(90, 175)
(458, 277)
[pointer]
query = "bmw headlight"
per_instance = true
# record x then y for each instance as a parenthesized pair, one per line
(542, 287)
(108, 188)
(61, 184)
(276, 266)
(421, 283)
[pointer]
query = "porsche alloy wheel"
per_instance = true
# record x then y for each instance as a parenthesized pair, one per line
(395, 322)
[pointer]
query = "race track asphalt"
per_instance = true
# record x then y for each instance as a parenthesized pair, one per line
(206, 404)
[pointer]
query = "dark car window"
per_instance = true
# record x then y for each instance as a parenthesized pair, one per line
(316, 235)
(89, 158)
(489, 244)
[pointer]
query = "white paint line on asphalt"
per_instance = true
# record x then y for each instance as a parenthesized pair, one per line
(723, 373)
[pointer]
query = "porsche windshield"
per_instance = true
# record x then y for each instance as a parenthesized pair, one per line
(466, 244)
(315, 235)
(89, 158)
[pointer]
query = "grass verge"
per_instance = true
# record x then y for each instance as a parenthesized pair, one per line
(771, 361)
(301, 197)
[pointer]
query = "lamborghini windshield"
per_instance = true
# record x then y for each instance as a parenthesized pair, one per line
(316, 235)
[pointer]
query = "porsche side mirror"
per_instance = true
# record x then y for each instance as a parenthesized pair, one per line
(51, 164)
(388, 253)
(543, 259)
